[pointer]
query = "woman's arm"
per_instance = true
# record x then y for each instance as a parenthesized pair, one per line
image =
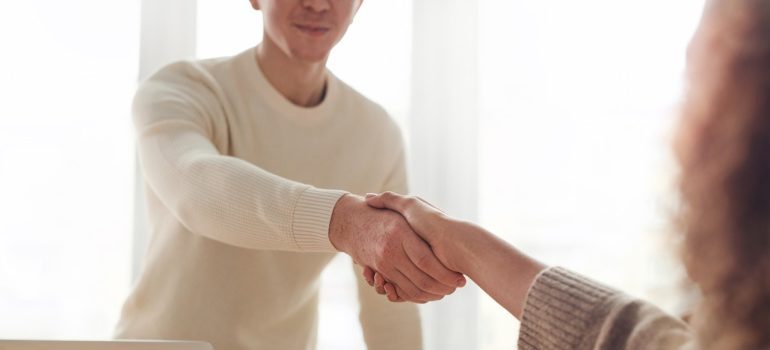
(558, 309)
(501, 270)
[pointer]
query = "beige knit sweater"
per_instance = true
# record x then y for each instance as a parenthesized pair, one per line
(567, 311)
(241, 185)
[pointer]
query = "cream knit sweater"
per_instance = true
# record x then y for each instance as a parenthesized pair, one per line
(239, 207)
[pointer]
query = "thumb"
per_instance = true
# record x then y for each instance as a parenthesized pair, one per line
(388, 200)
(375, 200)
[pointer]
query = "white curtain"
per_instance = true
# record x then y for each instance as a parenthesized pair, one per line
(443, 126)
(168, 34)
(578, 101)
(66, 164)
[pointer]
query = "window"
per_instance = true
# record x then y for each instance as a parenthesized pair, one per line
(578, 102)
(66, 165)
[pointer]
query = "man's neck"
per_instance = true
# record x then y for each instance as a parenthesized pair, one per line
(302, 83)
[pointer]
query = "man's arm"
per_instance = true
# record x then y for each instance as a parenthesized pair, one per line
(235, 202)
(177, 114)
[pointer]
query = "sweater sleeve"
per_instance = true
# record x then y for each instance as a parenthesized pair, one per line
(177, 115)
(567, 311)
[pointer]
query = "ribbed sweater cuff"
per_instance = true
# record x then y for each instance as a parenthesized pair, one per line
(561, 310)
(312, 214)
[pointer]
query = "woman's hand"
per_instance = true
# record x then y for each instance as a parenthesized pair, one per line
(502, 271)
(430, 223)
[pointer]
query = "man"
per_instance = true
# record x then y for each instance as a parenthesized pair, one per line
(251, 162)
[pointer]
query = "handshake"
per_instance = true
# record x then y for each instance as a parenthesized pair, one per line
(408, 248)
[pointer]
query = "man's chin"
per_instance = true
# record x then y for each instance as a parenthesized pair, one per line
(312, 57)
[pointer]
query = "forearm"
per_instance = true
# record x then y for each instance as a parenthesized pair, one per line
(501, 270)
(231, 200)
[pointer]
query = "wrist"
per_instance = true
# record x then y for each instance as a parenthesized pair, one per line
(471, 243)
(339, 234)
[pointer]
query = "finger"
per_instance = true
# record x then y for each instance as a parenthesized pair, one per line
(379, 278)
(379, 283)
(412, 291)
(400, 294)
(389, 200)
(390, 291)
(425, 260)
(425, 282)
(374, 200)
(396, 291)
(369, 275)
(428, 203)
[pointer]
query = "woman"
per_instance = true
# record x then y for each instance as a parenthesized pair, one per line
(724, 150)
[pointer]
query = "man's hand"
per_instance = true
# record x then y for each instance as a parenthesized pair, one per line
(382, 240)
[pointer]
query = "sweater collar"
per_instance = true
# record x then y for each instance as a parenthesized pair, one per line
(299, 115)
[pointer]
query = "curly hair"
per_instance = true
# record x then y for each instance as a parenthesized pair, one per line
(725, 180)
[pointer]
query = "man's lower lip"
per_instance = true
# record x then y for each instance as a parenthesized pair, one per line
(311, 30)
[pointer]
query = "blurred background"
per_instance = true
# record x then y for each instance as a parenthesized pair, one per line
(547, 121)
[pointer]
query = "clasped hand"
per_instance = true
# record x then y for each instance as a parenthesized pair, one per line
(382, 240)
(431, 224)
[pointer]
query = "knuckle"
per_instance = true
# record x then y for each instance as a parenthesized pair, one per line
(380, 279)
(382, 256)
(380, 262)
(390, 249)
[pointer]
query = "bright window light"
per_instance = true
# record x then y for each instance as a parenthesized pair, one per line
(66, 165)
(578, 99)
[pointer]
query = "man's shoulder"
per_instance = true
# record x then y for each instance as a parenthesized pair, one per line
(190, 80)
(187, 72)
